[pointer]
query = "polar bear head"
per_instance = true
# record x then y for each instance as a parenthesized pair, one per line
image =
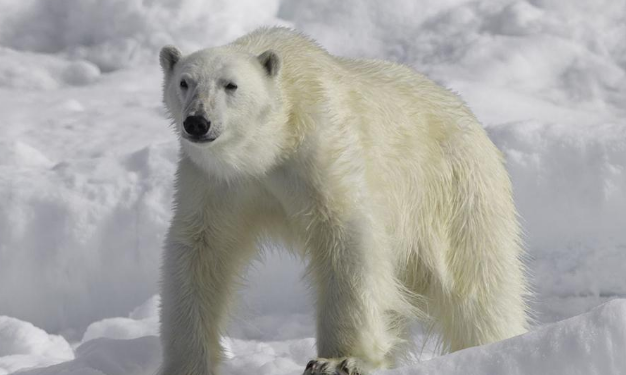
(225, 105)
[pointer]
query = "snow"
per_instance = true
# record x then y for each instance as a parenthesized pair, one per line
(570, 185)
(139, 356)
(87, 162)
(588, 344)
(119, 33)
(143, 321)
(24, 345)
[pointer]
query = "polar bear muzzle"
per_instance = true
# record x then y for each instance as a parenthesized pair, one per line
(197, 128)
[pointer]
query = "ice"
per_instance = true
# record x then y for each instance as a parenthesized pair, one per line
(87, 162)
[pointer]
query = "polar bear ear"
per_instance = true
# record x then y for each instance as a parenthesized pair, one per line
(270, 62)
(168, 57)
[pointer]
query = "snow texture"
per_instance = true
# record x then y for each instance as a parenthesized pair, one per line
(589, 344)
(87, 163)
(24, 345)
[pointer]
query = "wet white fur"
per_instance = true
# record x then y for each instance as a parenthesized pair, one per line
(384, 181)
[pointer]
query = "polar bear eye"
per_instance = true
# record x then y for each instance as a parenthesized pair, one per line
(183, 84)
(230, 86)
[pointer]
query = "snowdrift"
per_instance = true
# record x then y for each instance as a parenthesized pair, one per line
(589, 344)
(23, 345)
(592, 343)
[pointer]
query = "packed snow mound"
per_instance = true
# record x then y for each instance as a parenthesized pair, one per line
(86, 229)
(23, 345)
(589, 344)
(143, 321)
(141, 356)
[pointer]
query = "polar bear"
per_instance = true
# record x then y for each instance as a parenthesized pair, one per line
(385, 182)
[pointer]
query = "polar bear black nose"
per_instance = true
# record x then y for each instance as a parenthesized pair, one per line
(196, 126)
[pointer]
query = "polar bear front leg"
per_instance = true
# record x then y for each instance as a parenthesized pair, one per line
(198, 283)
(355, 290)
(209, 242)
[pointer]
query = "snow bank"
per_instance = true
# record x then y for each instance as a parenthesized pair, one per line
(23, 345)
(569, 184)
(82, 239)
(589, 344)
(141, 356)
(143, 321)
(592, 343)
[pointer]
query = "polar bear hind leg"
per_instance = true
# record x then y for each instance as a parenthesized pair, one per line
(483, 298)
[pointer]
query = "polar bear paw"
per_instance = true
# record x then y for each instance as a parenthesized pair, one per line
(333, 366)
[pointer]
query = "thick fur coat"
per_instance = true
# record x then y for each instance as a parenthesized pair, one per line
(384, 181)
